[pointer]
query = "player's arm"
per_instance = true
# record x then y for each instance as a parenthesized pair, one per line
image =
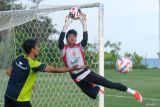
(41, 67)
(85, 38)
(60, 40)
(68, 21)
(51, 69)
(85, 33)
(9, 71)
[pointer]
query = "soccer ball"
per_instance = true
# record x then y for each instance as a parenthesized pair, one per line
(74, 13)
(123, 65)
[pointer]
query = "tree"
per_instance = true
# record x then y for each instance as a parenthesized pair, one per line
(136, 58)
(40, 28)
(111, 57)
(128, 55)
(4, 6)
(9, 4)
(113, 46)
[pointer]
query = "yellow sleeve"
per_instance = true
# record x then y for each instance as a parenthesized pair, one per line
(37, 66)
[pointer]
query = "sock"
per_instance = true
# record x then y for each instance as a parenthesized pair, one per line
(131, 91)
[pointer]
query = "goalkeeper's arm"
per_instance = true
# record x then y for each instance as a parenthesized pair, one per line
(60, 40)
(85, 33)
(68, 21)
(85, 38)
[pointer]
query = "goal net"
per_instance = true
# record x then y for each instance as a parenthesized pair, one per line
(45, 24)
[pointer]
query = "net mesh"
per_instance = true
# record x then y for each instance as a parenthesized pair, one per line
(45, 24)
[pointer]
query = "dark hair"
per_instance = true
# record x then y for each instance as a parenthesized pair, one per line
(29, 44)
(72, 31)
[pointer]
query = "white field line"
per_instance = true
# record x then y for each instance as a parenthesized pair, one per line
(132, 97)
(151, 99)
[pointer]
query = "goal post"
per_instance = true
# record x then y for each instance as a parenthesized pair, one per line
(45, 24)
(101, 52)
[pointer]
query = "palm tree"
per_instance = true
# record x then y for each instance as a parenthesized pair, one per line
(112, 56)
(113, 46)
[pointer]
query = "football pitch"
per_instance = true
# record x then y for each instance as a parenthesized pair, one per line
(145, 81)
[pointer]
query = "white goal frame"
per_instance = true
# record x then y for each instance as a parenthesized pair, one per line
(10, 23)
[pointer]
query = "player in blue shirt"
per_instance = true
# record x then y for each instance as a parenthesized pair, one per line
(23, 74)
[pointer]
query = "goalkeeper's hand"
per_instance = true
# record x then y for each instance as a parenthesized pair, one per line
(68, 21)
(82, 19)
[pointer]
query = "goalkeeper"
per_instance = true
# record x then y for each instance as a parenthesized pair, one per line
(73, 54)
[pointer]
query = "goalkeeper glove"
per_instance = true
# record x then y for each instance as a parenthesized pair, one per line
(68, 21)
(82, 19)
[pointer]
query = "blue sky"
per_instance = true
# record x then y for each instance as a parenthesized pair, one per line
(133, 22)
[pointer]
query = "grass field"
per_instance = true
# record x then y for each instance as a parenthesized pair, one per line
(146, 81)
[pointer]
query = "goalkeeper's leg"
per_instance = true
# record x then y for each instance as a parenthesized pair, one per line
(88, 89)
(99, 80)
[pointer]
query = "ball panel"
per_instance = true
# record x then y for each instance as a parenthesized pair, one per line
(74, 13)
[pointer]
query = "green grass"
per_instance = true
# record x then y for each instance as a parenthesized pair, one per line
(58, 90)
(146, 81)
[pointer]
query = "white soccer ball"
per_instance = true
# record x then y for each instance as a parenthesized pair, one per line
(123, 65)
(74, 13)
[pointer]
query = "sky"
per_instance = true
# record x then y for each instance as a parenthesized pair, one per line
(135, 23)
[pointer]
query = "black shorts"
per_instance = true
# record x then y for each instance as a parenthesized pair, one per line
(87, 87)
(13, 103)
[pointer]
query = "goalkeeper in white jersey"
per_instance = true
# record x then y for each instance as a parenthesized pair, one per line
(73, 54)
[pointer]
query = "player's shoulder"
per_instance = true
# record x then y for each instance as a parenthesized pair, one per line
(21, 58)
(33, 63)
(21, 62)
